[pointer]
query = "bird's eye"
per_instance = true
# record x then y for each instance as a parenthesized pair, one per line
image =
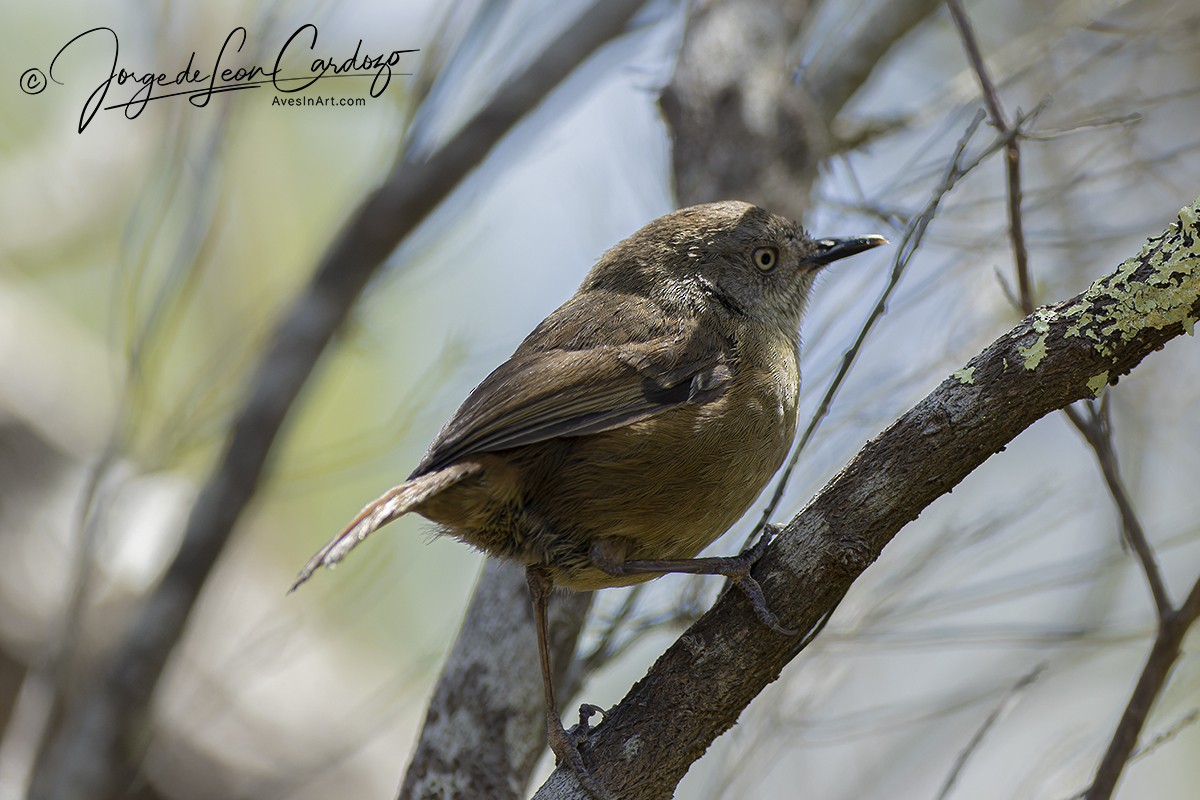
(765, 258)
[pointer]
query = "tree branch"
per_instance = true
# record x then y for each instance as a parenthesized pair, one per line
(94, 753)
(485, 730)
(1055, 356)
(1096, 431)
(847, 62)
(1012, 164)
(736, 92)
(1163, 655)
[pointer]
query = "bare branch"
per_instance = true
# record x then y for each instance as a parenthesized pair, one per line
(1057, 355)
(1016, 225)
(857, 52)
(1157, 669)
(1171, 631)
(1098, 434)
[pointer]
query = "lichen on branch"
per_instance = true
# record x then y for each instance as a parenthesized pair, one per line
(1154, 289)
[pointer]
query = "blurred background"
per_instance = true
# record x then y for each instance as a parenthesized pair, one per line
(143, 262)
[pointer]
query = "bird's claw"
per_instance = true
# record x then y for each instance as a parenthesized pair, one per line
(579, 732)
(565, 746)
(750, 587)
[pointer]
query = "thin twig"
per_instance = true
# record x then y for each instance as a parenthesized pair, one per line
(991, 99)
(634, 629)
(1167, 735)
(909, 242)
(989, 722)
(605, 647)
(1097, 430)
(1163, 655)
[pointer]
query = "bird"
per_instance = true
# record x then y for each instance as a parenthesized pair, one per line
(634, 425)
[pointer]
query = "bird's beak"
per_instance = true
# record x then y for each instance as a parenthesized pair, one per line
(830, 250)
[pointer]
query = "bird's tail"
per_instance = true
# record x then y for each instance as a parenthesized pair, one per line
(394, 503)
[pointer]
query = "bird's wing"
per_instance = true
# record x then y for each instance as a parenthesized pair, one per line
(543, 394)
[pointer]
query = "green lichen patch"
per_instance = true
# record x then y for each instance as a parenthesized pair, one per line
(1097, 383)
(1034, 353)
(1156, 288)
(965, 376)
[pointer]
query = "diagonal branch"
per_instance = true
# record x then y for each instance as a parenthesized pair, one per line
(1057, 355)
(851, 56)
(909, 243)
(1163, 654)
(1006, 702)
(1096, 431)
(94, 752)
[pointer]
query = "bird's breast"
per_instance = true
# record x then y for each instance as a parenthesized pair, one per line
(668, 485)
(671, 484)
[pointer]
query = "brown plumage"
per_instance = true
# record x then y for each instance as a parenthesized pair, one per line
(637, 422)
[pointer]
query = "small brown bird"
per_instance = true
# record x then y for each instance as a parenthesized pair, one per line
(635, 424)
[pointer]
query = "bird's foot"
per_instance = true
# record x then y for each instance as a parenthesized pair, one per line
(565, 746)
(739, 574)
(579, 732)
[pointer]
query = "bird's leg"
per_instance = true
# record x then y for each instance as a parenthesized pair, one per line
(564, 745)
(608, 555)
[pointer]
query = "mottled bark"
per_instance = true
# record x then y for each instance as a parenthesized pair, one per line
(486, 725)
